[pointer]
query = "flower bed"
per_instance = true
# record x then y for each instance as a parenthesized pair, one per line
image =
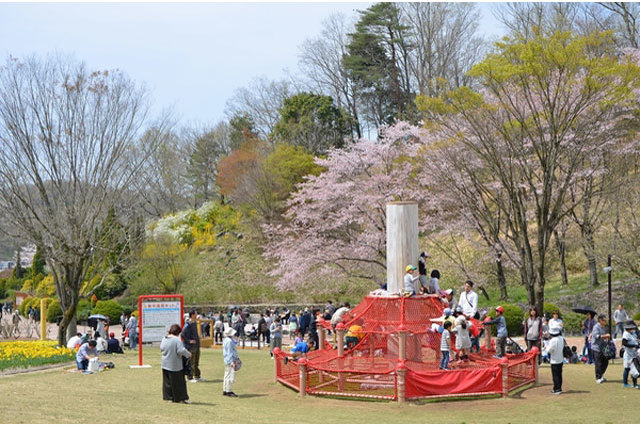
(21, 354)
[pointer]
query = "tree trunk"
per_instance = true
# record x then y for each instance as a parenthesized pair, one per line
(502, 281)
(72, 328)
(589, 248)
(560, 246)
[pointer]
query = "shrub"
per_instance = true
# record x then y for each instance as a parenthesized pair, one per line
(27, 286)
(46, 287)
(109, 308)
(636, 317)
(573, 322)
(514, 316)
(53, 310)
(83, 310)
(24, 306)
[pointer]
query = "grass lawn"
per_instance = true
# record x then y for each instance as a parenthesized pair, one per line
(134, 396)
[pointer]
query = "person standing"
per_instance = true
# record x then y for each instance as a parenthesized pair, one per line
(329, 307)
(192, 343)
(230, 357)
(123, 321)
(313, 327)
(305, 321)
(533, 329)
(620, 316)
(218, 328)
(587, 328)
(630, 345)
(501, 325)
(422, 270)
(276, 335)
(469, 301)
(599, 339)
(262, 328)
(174, 387)
(555, 321)
(445, 346)
(463, 341)
(268, 318)
(554, 349)
(132, 327)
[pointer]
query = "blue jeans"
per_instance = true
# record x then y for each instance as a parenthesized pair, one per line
(133, 340)
(444, 361)
(82, 365)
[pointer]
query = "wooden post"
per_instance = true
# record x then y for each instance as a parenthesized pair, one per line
(402, 344)
(372, 345)
(487, 336)
(402, 241)
(505, 377)
(302, 364)
(43, 319)
(401, 371)
(321, 337)
(340, 332)
(276, 352)
(535, 363)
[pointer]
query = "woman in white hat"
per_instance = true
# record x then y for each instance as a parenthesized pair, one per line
(230, 356)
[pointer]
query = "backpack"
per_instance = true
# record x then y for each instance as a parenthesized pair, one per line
(566, 351)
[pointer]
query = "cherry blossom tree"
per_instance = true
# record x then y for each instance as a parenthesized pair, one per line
(337, 220)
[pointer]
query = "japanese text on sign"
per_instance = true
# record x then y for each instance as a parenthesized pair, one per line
(157, 316)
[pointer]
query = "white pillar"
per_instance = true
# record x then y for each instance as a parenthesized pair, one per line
(402, 241)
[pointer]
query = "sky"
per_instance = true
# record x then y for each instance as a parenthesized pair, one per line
(191, 55)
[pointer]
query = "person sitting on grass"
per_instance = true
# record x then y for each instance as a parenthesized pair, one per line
(445, 346)
(85, 353)
(113, 345)
(574, 355)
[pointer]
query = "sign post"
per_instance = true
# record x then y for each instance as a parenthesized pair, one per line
(156, 313)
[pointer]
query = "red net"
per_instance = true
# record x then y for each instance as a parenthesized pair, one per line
(369, 365)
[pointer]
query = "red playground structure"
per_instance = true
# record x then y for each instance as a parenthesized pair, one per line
(397, 356)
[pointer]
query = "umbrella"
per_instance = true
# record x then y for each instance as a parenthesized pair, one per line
(98, 316)
(584, 310)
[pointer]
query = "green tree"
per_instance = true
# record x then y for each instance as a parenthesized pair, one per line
(242, 129)
(313, 122)
(18, 271)
(378, 60)
(38, 263)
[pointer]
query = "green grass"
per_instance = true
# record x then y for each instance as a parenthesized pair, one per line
(134, 396)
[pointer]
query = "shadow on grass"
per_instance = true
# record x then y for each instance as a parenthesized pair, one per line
(203, 403)
(575, 391)
(212, 381)
(251, 395)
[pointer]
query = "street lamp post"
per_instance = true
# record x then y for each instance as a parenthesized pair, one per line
(608, 271)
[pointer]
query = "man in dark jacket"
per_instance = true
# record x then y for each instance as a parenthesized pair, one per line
(192, 343)
(305, 321)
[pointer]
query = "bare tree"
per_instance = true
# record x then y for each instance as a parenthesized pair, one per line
(321, 60)
(625, 16)
(445, 44)
(67, 136)
(261, 101)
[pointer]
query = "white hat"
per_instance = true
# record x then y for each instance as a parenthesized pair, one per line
(449, 291)
(230, 332)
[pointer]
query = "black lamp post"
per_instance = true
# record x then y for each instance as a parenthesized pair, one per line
(608, 271)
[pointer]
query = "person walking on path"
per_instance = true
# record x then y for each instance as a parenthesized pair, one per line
(630, 345)
(554, 349)
(599, 339)
(230, 357)
(276, 335)
(469, 301)
(533, 329)
(174, 387)
(620, 316)
(192, 343)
